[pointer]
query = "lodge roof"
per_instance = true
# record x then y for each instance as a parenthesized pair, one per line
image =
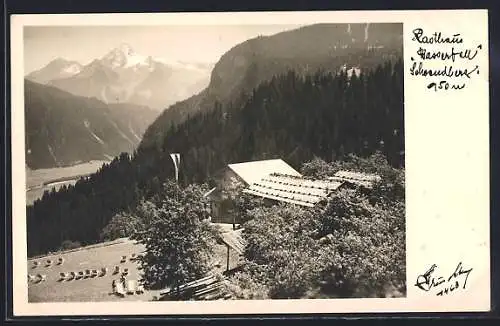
(293, 189)
(254, 171)
(234, 240)
(357, 178)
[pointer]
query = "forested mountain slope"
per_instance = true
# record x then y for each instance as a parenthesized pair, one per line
(290, 117)
(329, 47)
(63, 129)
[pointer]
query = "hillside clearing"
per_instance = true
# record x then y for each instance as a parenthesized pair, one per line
(97, 289)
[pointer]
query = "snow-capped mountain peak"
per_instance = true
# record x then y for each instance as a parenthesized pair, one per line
(73, 69)
(63, 65)
(123, 75)
(126, 49)
(56, 69)
(124, 56)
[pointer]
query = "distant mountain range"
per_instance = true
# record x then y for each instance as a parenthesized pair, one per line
(124, 76)
(327, 47)
(56, 69)
(63, 129)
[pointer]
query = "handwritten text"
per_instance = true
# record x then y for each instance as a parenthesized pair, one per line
(450, 67)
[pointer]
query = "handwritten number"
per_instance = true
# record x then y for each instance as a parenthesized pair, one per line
(444, 85)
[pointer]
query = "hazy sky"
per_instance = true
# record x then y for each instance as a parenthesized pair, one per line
(85, 43)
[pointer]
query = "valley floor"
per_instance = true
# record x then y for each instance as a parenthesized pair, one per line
(37, 181)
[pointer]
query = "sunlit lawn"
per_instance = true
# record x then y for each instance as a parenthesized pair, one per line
(98, 288)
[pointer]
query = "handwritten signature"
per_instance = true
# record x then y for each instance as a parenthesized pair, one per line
(443, 286)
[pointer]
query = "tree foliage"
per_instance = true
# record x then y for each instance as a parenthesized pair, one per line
(365, 251)
(179, 240)
(68, 245)
(281, 250)
(389, 188)
(121, 225)
(243, 286)
(351, 246)
(129, 222)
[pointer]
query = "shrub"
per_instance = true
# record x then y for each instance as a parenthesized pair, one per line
(121, 225)
(317, 168)
(68, 245)
(243, 286)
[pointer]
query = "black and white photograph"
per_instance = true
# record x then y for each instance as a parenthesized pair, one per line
(214, 162)
(249, 163)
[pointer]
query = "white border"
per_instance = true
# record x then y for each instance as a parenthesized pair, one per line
(446, 144)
